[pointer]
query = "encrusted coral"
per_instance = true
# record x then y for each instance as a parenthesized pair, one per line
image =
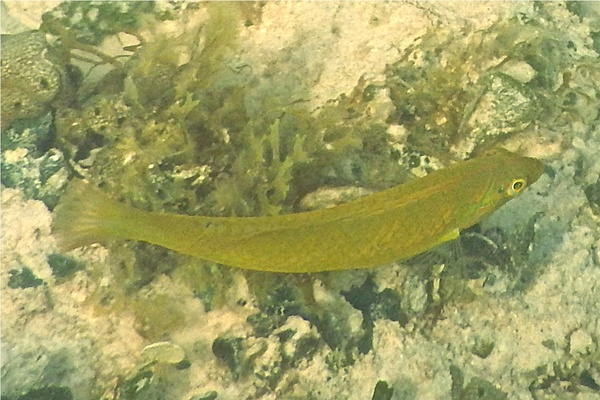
(29, 80)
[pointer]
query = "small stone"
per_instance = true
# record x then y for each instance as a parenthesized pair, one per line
(328, 197)
(164, 352)
(580, 343)
(519, 70)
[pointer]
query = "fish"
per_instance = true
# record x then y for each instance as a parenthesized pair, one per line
(384, 227)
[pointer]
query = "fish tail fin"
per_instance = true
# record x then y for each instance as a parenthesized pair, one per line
(85, 215)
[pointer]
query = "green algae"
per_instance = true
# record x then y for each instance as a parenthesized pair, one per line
(48, 393)
(23, 279)
(230, 351)
(93, 21)
(210, 395)
(574, 372)
(138, 386)
(374, 304)
(382, 391)
(63, 267)
(482, 348)
(592, 192)
(39, 177)
(477, 388)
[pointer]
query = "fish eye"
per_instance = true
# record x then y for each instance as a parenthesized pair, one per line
(516, 186)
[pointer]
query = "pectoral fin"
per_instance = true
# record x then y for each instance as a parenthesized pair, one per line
(448, 236)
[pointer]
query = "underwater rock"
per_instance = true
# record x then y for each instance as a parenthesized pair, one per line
(164, 352)
(41, 178)
(328, 197)
(504, 106)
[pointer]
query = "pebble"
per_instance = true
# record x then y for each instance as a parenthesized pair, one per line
(580, 343)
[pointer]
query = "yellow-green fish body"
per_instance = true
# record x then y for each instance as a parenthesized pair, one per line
(390, 225)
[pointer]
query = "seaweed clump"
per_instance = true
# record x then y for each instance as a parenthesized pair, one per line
(194, 131)
(468, 91)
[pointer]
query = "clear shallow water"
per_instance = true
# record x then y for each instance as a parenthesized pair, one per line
(512, 313)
